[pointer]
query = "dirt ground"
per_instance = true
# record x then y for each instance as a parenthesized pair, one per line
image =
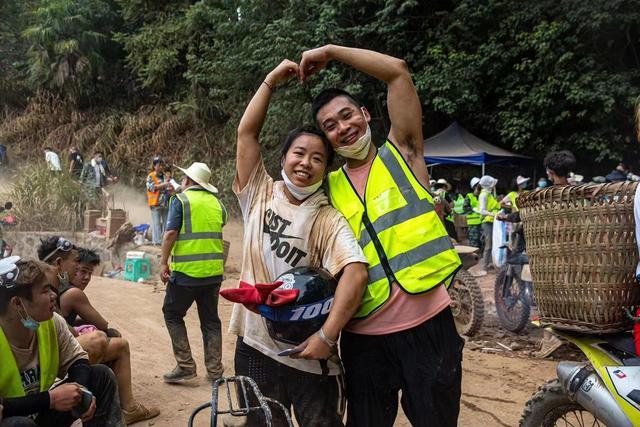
(499, 374)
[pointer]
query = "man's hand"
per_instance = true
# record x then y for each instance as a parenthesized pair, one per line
(313, 61)
(314, 349)
(165, 273)
(64, 397)
(87, 416)
(283, 72)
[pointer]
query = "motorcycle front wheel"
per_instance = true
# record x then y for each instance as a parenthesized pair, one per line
(550, 407)
(467, 304)
(512, 309)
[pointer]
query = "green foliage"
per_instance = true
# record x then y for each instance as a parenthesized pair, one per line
(68, 40)
(529, 76)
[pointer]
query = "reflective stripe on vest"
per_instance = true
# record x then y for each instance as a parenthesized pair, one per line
(48, 357)
(153, 196)
(399, 230)
(474, 217)
(493, 206)
(198, 248)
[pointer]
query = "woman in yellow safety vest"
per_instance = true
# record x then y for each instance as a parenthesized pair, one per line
(36, 347)
(488, 207)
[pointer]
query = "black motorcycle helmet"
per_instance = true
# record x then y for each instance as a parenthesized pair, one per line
(294, 323)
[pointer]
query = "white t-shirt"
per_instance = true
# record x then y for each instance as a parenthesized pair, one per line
(279, 236)
(53, 161)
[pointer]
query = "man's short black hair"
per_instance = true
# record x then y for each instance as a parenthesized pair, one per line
(48, 245)
(560, 162)
(307, 131)
(47, 149)
(326, 96)
(88, 256)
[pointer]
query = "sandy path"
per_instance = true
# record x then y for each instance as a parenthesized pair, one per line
(495, 387)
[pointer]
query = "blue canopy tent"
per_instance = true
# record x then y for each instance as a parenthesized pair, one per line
(456, 145)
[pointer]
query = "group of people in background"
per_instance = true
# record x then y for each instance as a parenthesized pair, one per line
(482, 204)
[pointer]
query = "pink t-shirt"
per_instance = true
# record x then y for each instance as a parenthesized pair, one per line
(402, 311)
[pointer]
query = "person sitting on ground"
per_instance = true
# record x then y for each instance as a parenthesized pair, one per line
(36, 347)
(559, 164)
(73, 302)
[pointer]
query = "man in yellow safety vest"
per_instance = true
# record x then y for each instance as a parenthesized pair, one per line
(36, 347)
(404, 327)
(192, 265)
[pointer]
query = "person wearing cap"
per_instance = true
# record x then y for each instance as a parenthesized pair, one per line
(520, 184)
(192, 266)
(36, 347)
(474, 218)
(158, 192)
(443, 189)
(488, 207)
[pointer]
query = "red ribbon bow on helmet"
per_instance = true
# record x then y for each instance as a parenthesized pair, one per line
(261, 294)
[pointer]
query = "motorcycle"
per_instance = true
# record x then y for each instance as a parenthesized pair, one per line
(513, 289)
(467, 304)
(605, 391)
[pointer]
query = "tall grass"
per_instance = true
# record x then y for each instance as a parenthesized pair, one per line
(129, 141)
(45, 200)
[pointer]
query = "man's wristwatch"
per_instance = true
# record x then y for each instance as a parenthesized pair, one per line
(326, 339)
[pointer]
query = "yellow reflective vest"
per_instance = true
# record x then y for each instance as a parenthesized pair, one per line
(474, 217)
(48, 359)
(397, 228)
(493, 206)
(198, 250)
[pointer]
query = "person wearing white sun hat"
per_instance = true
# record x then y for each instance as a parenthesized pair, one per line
(192, 265)
(519, 185)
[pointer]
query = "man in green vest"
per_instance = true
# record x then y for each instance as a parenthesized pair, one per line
(192, 265)
(36, 347)
(474, 218)
(403, 337)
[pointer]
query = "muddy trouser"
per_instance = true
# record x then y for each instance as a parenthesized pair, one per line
(487, 235)
(103, 385)
(177, 300)
(475, 236)
(424, 362)
(315, 398)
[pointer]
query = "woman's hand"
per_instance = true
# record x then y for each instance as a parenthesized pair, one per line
(283, 72)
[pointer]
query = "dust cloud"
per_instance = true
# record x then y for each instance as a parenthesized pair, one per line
(131, 199)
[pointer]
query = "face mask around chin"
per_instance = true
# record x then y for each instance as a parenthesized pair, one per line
(28, 321)
(359, 149)
(300, 193)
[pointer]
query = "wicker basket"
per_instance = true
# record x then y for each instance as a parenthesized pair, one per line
(582, 250)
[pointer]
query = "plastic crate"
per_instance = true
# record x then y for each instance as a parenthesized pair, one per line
(137, 268)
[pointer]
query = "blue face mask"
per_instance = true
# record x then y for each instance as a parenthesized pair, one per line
(29, 322)
(542, 184)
